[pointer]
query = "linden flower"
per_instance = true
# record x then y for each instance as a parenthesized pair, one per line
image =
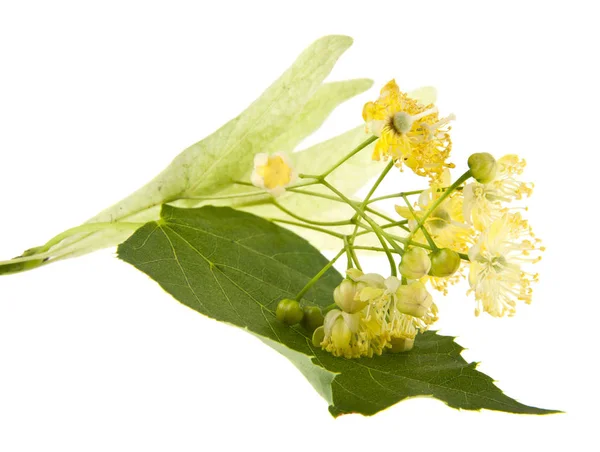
(483, 203)
(351, 335)
(400, 310)
(409, 132)
(377, 314)
(349, 332)
(495, 273)
(272, 173)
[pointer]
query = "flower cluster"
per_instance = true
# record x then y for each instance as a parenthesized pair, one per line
(466, 229)
(374, 314)
(477, 219)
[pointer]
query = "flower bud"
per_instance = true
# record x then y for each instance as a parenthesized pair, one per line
(340, 333)
(289, 312)
(345, 297)
(413, 299)
(401, 344)
(318, 336)
(313, 318)
(415, 263)
(354, 274)
(444, 262)
(483, 167)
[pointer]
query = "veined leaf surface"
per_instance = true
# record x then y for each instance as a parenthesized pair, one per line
(235, 267)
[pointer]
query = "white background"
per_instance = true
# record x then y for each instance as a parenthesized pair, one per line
(97, 99)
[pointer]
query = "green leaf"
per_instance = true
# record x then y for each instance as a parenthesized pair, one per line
(286, 112)
(235, 267)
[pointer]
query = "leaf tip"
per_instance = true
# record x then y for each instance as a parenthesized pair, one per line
(364, 83)
(342, 41)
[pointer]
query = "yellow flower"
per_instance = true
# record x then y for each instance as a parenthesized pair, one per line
(484, 203)
(400, 310)
(273, 173)
(496, 275)
(409, 132)
(384, 315)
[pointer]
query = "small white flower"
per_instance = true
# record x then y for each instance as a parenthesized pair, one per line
(272, 173)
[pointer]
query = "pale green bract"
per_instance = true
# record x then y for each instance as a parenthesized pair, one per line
(288, 111)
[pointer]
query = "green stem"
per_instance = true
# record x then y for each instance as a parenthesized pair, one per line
(400, 224)
(355, 151)
(389, 237)
(367, 209)
(379, 214)
(423, 229)
(355, 258)
(366, 201)
(306, 220)
(348, 255)
(423, 245)
(394, 224)
(318, 275)
(307, 226)
(376, 229)
(337, 199)
(439, 201)
(384, 173)
(397, 195)
(404, 241)
(406, 193)
(373, 248)
(318, 195)
(351, 255)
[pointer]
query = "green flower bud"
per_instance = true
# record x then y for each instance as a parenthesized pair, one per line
(413, 299)
(313, 318)
(401, 344)
(344, 296)
(318, 336)
(483, 167)
(444, 262)
(415, 263)
(289, 312)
